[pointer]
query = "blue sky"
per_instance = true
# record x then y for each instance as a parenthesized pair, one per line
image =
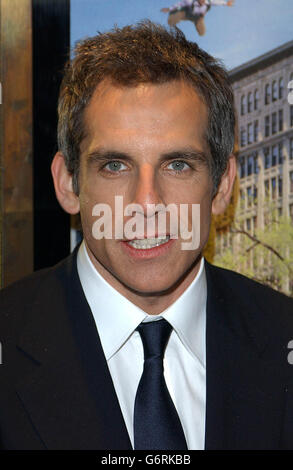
(235, 35)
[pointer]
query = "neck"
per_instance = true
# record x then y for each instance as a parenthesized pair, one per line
(153, 304)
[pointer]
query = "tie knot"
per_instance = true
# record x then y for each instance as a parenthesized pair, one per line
(154, 335)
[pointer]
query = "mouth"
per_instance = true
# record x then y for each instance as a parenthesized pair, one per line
(148, 243)
(147, 248)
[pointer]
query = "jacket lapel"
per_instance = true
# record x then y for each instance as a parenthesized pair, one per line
(245, 384)
(68, 393)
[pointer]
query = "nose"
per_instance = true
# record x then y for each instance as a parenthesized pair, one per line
(147, 189)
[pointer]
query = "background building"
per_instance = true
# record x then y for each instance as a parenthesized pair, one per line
(265, 127)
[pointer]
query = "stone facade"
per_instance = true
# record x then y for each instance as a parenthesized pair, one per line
(265, 132)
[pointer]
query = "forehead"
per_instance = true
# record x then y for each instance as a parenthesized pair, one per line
(150, 113)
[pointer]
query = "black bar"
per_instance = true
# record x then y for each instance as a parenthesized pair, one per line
(51, 45)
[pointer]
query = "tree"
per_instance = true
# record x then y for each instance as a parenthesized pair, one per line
(264, 254)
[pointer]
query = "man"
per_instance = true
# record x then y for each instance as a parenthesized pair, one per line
(137, 342)
(193, 10)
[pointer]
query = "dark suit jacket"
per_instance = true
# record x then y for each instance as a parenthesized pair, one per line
(56, 391)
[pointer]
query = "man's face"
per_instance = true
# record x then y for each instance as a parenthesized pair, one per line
(147, 144)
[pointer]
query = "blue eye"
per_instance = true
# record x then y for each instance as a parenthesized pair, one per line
(178, 165)
(115, 166)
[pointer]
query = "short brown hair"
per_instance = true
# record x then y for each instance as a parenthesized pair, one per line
(144, 53)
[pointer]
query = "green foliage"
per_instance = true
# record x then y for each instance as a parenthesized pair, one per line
(265, 255)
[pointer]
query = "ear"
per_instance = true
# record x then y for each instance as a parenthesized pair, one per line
(223, 196)
(68, 200)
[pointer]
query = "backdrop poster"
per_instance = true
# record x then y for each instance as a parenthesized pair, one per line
(253, 38)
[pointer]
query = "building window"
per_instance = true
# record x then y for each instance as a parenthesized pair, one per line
(267, 126)
(274, 155)
(274, 188)
(281, 88)
(280, 186)
(243, 103)
(291, 181)
(255, 193)
(256, 167)
(274, 91)
(291, 115)
(291, 211)
(267, 158)
(249, 102)
(267, 94)
(281, 120)
(249, 196)
(256, 99)
(242, 167)
(242, 199)
(254, 223)
(249, 192)
(255, 131)
(291, 149)
(242, 137)
(248, 225)
(274, 123)
(249, 133)
(250, 165)
(280, 153)
(267, 188)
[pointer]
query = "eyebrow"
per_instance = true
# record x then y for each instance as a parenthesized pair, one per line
(186, 154)
(100, 155)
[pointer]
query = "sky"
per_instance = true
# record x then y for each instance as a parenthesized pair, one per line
(235, 35)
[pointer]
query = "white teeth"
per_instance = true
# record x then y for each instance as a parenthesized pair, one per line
(147, 243)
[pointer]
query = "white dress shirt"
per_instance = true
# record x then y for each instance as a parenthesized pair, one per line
(116, 319)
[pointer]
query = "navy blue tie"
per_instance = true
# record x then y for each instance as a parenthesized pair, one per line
(156, 422)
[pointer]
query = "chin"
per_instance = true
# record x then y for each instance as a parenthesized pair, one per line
(149, 289)
(149, 285)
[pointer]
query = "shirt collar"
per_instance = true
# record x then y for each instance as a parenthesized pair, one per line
(187, 315)
(116, 317)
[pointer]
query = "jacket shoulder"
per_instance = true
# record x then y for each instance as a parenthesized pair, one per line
(242, 281)
(17, 299)
(251, 294)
